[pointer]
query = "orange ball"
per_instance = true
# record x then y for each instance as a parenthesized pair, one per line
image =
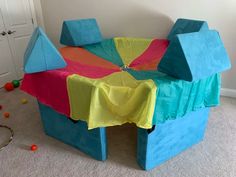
(6, 114)
(9, 86)
(33, 147)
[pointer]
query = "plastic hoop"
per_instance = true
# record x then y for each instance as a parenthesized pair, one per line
(10, 139)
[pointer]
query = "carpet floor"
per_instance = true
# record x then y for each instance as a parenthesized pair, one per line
(213, 157)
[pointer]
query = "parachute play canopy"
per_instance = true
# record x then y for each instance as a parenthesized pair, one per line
(107, 82)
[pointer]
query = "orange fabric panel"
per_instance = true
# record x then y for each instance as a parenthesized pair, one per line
(84, 57)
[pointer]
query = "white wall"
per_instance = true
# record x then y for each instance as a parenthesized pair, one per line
(146, 18)
(38, 13)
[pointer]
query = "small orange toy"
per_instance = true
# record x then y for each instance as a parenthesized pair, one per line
(33, 147)
(9, 86)
(6, 114)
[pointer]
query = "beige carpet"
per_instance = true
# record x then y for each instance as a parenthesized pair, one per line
(214, 157)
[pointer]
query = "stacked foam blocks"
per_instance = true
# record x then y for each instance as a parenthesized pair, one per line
(195, 52)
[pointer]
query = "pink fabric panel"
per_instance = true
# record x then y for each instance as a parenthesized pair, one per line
(154, 52)
(91, 71)
(50, 87)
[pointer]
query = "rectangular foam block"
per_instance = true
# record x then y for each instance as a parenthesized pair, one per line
(92, 142)
(170, 138)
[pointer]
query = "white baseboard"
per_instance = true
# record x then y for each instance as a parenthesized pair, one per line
(228, 92)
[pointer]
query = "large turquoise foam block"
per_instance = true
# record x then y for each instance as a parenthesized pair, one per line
(80, 32)
(92, 142)
(170, 138)
(41, 54)
(194, 56)
(187, 26)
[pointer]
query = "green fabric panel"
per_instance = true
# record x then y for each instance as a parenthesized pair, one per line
(176, 97)
(107, 50)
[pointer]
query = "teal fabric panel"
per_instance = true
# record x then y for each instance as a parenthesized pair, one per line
(80, 32)
(170, 138)
(194, 56)
(175, 98)
(107, 50)
(41, 54)
(187, 26)
(92, 142)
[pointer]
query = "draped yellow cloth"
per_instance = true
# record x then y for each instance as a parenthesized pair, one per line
(112, 100)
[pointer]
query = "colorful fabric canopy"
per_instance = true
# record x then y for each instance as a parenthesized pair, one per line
(116, 81)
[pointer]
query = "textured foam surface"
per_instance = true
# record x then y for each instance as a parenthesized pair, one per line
(92, 142)
(80, 32)
(170, 138)
(194, 56)
(187, 26)
(41, 54)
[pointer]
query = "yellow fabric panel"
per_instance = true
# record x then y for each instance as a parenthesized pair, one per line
(112, 100)
(131, 48)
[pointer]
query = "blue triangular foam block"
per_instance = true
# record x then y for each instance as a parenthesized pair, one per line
(187, 26)
(80, 32)
(41, 54)
(194, 56)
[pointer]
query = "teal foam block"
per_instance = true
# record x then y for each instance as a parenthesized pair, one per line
(187, 26)
(170, 138)
(194, 56)
(92, 142)
(41, 54)
(80, 32)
